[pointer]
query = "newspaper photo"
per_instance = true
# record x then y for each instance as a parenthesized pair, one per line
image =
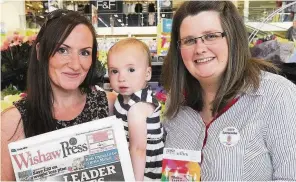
(93, 151)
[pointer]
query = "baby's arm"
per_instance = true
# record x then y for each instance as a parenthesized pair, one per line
(136, 117)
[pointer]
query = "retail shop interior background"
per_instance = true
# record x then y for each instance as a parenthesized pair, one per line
(148, 20)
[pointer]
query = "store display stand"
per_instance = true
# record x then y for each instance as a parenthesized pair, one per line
(287, 69)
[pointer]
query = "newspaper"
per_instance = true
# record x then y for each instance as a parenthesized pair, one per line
(180, 165)
(93, 151)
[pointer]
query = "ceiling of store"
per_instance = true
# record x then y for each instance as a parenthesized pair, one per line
(253, 3)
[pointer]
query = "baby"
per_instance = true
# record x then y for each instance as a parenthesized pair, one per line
(129, 69)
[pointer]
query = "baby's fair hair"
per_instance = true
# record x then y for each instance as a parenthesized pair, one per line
(132, 42)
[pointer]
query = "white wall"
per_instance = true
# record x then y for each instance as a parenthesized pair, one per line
(13, 14)
(126, 30)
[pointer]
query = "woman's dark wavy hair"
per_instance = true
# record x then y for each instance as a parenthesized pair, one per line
(242, 71)
(54, 31)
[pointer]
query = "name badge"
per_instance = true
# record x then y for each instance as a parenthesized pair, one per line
(229, 136)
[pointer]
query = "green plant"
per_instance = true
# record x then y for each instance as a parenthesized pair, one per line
(10, 90)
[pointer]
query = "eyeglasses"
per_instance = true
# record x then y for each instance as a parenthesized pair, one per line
(56, 14)
(207, 39)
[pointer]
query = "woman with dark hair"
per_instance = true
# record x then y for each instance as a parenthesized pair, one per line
(224, 103)
(59, 91)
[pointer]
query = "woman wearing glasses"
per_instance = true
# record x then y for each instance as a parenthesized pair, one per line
(224, 103)
(61, 71)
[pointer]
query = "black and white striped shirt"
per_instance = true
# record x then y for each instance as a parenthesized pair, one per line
(155, 138)
(266, 122)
